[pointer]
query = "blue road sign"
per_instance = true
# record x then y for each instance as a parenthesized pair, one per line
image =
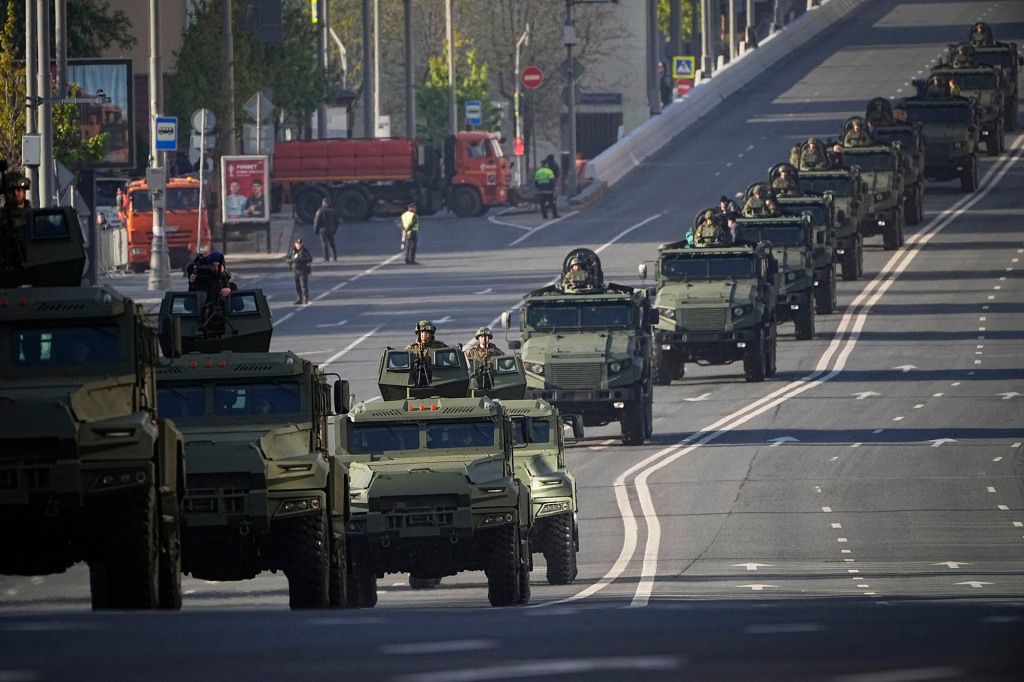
(682, 67)
(474, 113)
(166, 133)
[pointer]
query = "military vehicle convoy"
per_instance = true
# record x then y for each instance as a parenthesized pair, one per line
(792, 244)
(881, 169)
(983, 84)
(264, 492)
(1005, 57)
(716, 306)
(951, 132)
(88, 471)
(586, 345)
(909, 138)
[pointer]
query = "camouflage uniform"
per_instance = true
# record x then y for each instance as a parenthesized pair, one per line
(784, 186)
(814, 159)
(482, 352)
(856, 137)
(421, 347)
(575, 280)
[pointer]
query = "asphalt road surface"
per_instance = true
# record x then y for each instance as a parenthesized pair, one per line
(860, 516)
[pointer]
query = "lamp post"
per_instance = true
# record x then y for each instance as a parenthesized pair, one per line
(523, 40)
(569, 38)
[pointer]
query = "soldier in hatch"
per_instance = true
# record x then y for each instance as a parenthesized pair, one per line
(710, 231)
(576, 277)
(13, 223)
(856, 136)
(425, 340)
(484, 348)
(981, 35)
(813, 157)
(783, 184)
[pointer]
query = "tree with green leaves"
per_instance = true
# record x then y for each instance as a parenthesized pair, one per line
(92, 27)
(432, 101)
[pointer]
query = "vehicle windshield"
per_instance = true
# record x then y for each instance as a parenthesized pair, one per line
(684, 267)
(979, 80)
(776, 235)
(838, 185)
(590, 315)
(870, 161)
(532, 431)
(904, 137)
(819, 212)
(999, 57)
(937, 114)
(231, 399)
(177, 199)
(365, 439)
(496, 151)
(73, 346)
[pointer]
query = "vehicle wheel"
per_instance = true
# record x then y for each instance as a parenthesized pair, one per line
(423, 583)
(803, 323)
(1010, 123)
(306, 202)
(661, 366)
(361, 590)
(524, 572)
(633, 424)
(849, 263)
(503, 565)
(465, 202)
(307, 562)
(98, 586)
(771, 365)
(130, 565)
(559, 549)
(912, 206)
(860, 257)
(138, 268)
(753, 358)
(996, 144)
(969, 175)
(170, 570)
(891, 236)
(825, 294)
(649, 413)
(354, 206)
(338, 587)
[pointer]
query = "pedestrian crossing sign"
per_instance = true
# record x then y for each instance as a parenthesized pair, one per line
(682, 67)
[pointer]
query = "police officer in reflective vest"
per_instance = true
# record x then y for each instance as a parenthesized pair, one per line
(544, 181)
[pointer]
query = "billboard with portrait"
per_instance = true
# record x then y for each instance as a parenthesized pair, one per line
(114, 115)
(243, 184)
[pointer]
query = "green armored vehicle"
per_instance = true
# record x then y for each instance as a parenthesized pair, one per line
(434, 493)
(89, 471)
(539, 442)
(881, 169)
(1005, 57)
(264, 492)
(586, 344)
(717, 306)
(951, 133)
(888, 129)
(820, 210)
(849, 194)
(792, 242)
(983, 84)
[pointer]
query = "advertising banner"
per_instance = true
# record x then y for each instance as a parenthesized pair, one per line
(244, 183)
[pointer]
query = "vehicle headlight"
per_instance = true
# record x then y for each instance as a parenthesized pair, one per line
(616, 366)
(741, 310)
(958, 145)
(879, 196)
(535, 367)
(670, 313)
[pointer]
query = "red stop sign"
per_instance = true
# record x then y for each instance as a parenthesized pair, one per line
(683, 86)
(532, 77)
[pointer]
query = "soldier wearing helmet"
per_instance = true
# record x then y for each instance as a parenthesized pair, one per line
(576, 278)
(484, 348)
(856, 135)
(15, 205)
(425, 330)
(812, 156)
(981, 35)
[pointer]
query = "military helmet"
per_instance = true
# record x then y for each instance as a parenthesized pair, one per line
(18, 182)
(425, 326)
(484, 331)
(575, 261)
(709, 215)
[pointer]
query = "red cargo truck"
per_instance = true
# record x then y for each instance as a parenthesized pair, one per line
(363, 177)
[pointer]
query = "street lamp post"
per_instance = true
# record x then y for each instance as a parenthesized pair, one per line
(569, 39)
(523, 40)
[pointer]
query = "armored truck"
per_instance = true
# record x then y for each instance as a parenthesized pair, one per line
(792, 241)
(88, 471)
(434, 493)
(909, 138)
(881, 169)
(586, 345)
(983, 84)
(265, 493)
(950, 126)
(1005, 57)
(849, 194)
(716, 306)
(820, 210)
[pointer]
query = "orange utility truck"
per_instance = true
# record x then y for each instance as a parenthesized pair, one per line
(186, 230)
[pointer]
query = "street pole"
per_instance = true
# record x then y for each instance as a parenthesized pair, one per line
(523, 40)
(653, 57)
(569, 38)
(376, 68)
(732, 30)
(323, 57)
(44, 118)
(410, 88)
(227, 63)
(159, 264)
(452, 104)
(368, 122)
(31, 172)
(60, 33)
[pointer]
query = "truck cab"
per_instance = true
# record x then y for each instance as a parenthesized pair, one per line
(186, 229)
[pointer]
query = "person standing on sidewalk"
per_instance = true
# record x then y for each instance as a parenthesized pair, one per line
(325, 224)
(301, 262)
(410, 233)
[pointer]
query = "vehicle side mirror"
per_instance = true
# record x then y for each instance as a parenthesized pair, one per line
(643, 271)
(342, 396)
(506, 320)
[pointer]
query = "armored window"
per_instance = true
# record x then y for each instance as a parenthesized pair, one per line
(684, 268)
(398, 361)
(605, 315)
(505, 364)
(184, 304)
(460, 434)
(730, 267)
(244, 303)
(552, 316)
(179, 402)
(81, 348)
(532, 431)
(777, 236)
(446, 358)
(374, 438)
(48, 224)
(871, 162)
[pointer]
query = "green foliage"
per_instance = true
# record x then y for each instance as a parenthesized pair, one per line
(92, 27)
(286, 70)
(12, 93)
(432, 100)
(68, 145)
(664, 12)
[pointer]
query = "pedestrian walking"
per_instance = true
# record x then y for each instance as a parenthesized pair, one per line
(300, 260)
(410, 233)
(325, 224)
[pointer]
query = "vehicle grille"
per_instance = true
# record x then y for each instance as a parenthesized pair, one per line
(704, 319)
(217, 494)
(27, 473)
(420, 511)
(573, 374)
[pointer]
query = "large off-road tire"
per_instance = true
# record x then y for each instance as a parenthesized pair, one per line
(306, 202)
(170, 569)
(128, 572)
(825, 294)
(465, 202)
(362, 590)
(771, 352)
(912, 209)
(995, 143)
(891, 236)
(969, 175)
(803, 323)
(307, 561)
(559, 549)
(850, 264)
(649, 413)
(633, 424)
(503, 565)
(524, 569)
(338, 585)
(423, 583)
(1010, 121)
(753, 358)
(354, 205)
(98, 586)
(661, 366)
